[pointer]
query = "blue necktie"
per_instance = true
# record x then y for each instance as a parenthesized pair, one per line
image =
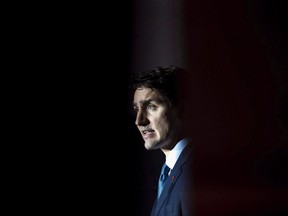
(163, 176)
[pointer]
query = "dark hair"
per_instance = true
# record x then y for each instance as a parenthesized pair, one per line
(165, 80)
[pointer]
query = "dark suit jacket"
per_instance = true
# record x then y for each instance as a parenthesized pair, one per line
(176, 198)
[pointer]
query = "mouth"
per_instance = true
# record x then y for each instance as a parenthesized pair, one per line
(147, 133)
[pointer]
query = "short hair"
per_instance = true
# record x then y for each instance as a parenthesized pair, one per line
(167, 80)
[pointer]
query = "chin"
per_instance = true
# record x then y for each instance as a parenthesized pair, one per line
(149, 146)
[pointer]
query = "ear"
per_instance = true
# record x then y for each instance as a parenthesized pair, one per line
(183, 108)
(178, 111)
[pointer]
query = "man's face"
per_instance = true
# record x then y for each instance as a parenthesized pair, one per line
(156, 120)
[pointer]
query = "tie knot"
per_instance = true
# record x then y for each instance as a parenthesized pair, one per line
(166, 169)
(164, 172)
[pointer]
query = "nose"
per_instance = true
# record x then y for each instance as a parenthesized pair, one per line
(141, 118)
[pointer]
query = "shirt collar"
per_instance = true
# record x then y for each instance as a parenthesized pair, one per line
(175, 152)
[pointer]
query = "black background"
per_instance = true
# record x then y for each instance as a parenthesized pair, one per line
(84, 151)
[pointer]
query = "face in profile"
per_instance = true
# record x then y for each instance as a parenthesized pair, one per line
(156, 120)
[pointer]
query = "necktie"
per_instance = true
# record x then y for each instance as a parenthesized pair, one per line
(163, 176)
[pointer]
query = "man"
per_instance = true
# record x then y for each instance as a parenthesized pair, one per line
(161, 117)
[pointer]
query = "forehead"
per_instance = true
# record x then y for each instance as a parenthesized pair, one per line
(142, 95)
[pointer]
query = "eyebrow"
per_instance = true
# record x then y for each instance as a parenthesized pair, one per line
(144, 102)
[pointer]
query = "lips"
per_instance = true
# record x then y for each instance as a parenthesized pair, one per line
(147, 133)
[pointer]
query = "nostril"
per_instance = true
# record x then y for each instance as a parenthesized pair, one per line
(141, 121)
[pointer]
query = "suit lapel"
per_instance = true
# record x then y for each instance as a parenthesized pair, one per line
(175, 173)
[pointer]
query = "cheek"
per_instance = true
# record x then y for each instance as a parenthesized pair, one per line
(162, 122)
(162, 125)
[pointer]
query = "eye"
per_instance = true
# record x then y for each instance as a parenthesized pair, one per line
(151, 107)
(136, 109)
